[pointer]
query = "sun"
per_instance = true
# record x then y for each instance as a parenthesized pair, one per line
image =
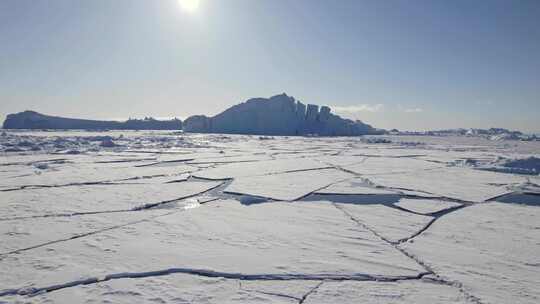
(189, 6)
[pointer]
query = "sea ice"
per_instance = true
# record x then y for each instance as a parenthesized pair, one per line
(392, 224)
(402, 292)
(278, 239)
(392, 219)
(259, 168)
(286, 186)
(354, 186)
(90, 173)
(95, 198)
(491, 249)
(452, 182)
(182, 288)
(382, 165)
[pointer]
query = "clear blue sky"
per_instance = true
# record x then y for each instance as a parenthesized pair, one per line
(424, 64)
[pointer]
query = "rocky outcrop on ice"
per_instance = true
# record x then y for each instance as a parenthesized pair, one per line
(278, 115)
(35, 120)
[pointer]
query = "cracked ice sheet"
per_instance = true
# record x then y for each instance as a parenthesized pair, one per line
(491, 248)
(87, 159)
(451, 157)
(458, 183)
(28, 159)
(271, 238)
(425, 206)
(402, 292)
(77, 173)
(390, 223)
(179, 288)
(230, 159)
(298, 154)
(16, 170)
(295, 289)
(259, 168)
(25, 168)
(68, 200)
(341, 160)
(156, 180)
(395, 152)
(354, 186)
(286, 186)
(416, 193)
(381, 165)
(24, 233)
(194, 155)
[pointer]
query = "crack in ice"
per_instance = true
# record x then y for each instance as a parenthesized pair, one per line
(312, 290)
(137, 208)
(30, 291)
(81, 235)
(267, 293)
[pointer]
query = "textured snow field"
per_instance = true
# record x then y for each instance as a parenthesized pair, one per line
(167, 217)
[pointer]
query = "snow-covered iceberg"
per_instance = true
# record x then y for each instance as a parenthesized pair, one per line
(35, 120)
(278, 115)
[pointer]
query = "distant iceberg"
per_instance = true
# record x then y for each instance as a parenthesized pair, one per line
(278, 115)
(35, 120)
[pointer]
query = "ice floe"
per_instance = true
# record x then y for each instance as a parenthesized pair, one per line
(271, 241)
(491, 249)
(287, 186)
(452, 182)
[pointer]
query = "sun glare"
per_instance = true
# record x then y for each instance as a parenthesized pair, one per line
(189, 6)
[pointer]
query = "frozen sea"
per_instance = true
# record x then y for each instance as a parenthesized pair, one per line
(168, 217)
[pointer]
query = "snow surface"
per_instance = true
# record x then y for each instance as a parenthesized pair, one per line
(451, 182)
(354, 186)
(110, 197)
(287, 186)
(169, 217)
(411, 292)
(391, 224)
(306, 240)
(259, 168)
(492, 249)
(181, 288)
(382, 165)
